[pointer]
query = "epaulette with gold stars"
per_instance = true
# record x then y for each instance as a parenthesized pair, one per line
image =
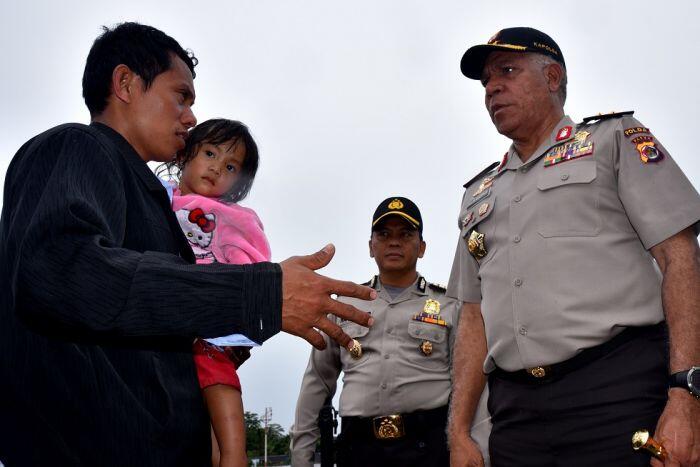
(481, 174)
(437, 287)
(607, 116)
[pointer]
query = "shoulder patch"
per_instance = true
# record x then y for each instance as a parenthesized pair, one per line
(437, 287)
(607, 116)
(481, 174)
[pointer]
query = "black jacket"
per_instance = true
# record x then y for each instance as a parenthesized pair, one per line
(100, 301)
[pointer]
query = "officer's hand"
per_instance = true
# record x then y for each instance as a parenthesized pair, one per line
(678, 430)
(464, 452)
(306, 299)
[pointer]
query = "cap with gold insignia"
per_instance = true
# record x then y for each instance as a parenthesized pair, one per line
(519, 39)
(398, 206)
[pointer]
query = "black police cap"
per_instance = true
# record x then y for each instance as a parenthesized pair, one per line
(519, 39)
(398, 206)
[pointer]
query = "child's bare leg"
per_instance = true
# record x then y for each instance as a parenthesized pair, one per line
(226, 412)
(215, 454)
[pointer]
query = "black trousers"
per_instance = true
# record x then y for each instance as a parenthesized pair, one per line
(424, 445)
(587, 416)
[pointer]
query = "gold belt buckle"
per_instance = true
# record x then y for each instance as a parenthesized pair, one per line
(538, 371)
(388, 427)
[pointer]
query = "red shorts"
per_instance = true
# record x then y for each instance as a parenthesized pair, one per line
(214, 366)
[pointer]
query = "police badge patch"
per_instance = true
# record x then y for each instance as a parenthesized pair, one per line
(648, 152)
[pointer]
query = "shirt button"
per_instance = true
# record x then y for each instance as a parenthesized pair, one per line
(518, 282)
(524, 170)
(383, 385)
(517, 198)
(386, 356)
(523, 331)
(565, 177)
(517, 239)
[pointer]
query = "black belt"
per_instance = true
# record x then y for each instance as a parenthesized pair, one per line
(548, 373)
(394, 426)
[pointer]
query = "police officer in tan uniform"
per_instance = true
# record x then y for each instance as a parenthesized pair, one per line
(396, 382)
(578, 258)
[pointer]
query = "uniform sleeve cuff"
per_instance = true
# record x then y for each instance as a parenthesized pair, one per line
(262, 296)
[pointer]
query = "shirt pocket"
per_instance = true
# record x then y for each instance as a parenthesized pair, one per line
(437, 335)
(568, 204)
(483, 223)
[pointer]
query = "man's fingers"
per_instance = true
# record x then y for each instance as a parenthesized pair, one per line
(350, 289)
(335, 332)
(349, 312)
(315, 338)
(319, 259)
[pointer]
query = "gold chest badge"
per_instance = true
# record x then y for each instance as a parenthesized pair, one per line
(431, 307)
(356, 349)
(477, 245)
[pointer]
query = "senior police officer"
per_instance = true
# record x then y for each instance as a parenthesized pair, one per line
(578, 256)
(397, 377)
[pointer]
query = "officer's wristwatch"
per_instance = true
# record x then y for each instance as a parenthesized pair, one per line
(688, 379)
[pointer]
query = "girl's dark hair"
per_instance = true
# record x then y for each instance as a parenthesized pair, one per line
(219, 131)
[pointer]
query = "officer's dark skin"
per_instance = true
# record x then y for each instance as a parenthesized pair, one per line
(396, 246)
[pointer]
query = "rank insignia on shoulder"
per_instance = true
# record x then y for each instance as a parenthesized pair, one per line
(648, 152)
(483, 209)
(484, 186)
(481, 174)
(601, 117)
(431, 307)
(437, 287)
(467, 219)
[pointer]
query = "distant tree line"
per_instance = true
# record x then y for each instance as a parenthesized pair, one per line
(277, 440)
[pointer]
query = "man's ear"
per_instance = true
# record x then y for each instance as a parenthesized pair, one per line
(421, 250)
(371, 253)
(554, 72)
(123, 82)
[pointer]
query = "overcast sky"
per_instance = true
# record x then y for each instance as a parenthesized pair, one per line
(352, 102)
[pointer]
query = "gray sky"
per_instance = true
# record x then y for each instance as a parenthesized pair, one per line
(352, 102)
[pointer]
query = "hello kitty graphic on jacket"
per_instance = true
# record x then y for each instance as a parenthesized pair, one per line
(198, 228)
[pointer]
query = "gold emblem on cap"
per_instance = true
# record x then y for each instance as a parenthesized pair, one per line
(426, 347)
(483, 209)
(396, 204)
(356, 349)
(477, 245)
(537, 372)
(431, 307)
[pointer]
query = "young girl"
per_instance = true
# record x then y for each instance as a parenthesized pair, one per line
(216, 170)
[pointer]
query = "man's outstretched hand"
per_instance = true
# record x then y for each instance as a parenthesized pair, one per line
(306, 299)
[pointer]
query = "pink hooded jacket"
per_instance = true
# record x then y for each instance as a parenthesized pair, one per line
(219, 232)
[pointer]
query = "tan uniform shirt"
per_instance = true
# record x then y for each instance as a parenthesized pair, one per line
(567, 236)
(393, 375)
